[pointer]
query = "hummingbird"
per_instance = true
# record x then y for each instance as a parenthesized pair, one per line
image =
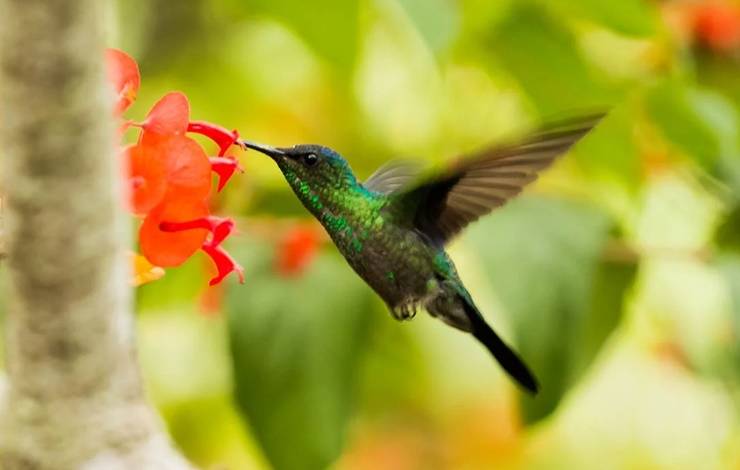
(393, 228)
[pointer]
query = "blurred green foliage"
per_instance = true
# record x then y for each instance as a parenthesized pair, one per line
(563, 298)
(305, 363)
(542, 54)
(618, 279)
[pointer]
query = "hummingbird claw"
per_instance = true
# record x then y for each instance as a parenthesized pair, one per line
(405, 311)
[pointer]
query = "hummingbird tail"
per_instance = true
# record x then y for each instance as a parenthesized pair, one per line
(505, 356)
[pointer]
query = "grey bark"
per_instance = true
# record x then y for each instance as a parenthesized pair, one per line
(74, 398)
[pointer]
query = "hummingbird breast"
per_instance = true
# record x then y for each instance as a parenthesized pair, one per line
(395, 261)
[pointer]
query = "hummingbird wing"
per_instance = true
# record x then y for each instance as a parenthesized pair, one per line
(392, 176)
(477, 184)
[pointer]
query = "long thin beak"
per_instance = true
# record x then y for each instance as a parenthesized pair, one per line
(266, 149)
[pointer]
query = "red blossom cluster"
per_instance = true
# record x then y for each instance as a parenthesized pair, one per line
(297, 248)
(717, 24)
(714, 24)
(168, 177)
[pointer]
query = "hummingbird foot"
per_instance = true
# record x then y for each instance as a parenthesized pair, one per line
(405, 311)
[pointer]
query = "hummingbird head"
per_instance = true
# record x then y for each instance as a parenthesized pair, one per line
(317, 174)
(314, 165)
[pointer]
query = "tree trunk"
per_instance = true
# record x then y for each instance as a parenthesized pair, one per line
(74, 398)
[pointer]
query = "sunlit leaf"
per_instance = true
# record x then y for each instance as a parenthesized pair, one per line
(631, 17)
(544, 260)
(728, 260)
(297, 344)
(329, 27)
(729, 267)
(609, 154)
(436, 20)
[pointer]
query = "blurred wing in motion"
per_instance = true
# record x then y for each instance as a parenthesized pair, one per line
(392, 176)
(477, 184)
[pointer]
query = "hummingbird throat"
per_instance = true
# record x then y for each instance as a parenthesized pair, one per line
(333, 208)
(305, 193)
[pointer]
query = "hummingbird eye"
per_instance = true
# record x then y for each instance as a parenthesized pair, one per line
(310, 159)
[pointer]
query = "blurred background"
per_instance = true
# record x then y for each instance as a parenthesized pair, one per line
(616, 276)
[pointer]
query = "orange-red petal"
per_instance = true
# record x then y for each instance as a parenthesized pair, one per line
(169, 115)
(188, 167)
(123, 74)
(224, 167)
(225, 264)
(147, 178)
(167, 248)
(223, 137)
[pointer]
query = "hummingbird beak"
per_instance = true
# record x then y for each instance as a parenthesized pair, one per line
(272, 152)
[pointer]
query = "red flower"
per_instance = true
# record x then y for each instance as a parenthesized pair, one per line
(170, 176)
(170, 117)
(123, 73)
(297, 249)
(220, 135)
(717, 24)
(167, 166)
(165, 247)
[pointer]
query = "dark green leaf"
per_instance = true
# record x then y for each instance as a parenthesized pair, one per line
(728, 233)
(701, 123)
(544, 57)
(544, 259)
(296, 346)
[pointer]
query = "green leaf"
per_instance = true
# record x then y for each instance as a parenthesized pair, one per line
(330, 28)
(544, 260)
(436, 20)
(544, 57)
(297, 344)
(609, 153)
(630, 17)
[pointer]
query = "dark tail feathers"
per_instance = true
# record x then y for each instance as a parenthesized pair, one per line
(508, 359)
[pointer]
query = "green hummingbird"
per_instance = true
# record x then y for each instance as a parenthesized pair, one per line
(392, 228)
